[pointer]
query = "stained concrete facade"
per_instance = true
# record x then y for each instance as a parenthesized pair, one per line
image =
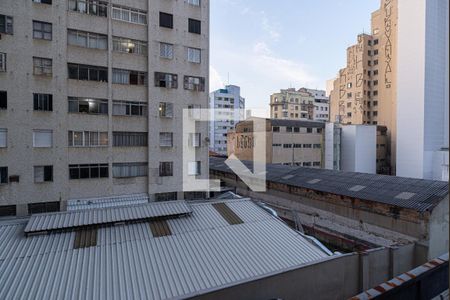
(20, 119)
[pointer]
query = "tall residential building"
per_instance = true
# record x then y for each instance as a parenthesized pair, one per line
(303, 104)
(422, 89)
(91, 99)
(227, 98)
(401, 82)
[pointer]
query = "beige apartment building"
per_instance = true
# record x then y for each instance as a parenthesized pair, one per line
(288, 142)
(91, 99)
(364, 92)
(292, 104)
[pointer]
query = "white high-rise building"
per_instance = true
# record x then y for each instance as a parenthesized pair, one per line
(227, 98)
(423, 91)
(92, 96)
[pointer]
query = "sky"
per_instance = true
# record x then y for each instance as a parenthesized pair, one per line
(266, 45)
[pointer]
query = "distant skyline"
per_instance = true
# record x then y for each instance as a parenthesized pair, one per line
(263, 46)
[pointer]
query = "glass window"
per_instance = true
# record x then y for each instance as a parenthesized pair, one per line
(42, 66)
(194, 26)
(42, 30)
(165, 20)
(194, 55)
(42, 138)
(6, 24)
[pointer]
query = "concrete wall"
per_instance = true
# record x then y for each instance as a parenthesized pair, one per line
(439, 243)
(339, 277)
(358, 148)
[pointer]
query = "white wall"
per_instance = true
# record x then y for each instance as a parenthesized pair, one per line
(358, 148)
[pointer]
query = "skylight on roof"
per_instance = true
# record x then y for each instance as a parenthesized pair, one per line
(357, 188)
(314, 181)
(288, 177)
(405, 195)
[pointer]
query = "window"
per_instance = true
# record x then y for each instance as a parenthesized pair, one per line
(288, 129)
(349, 104)
(317, 146)
(88, 171)
(349, 95)
(349, 85)
(166, 50)
(42, 30)
(375, 72)
(88, 139)
(194, 83)
(165, 110)
(3, 100)
(126, 170)
(195, 140)
(43, 174)
(375, 42)
(130, 15)
(194, 26)
(375, 82)
(129, 46)
(3, 175)
(287, 146)
(87, 39)
(308, 146)
(375, 103)
(3, 137)
(42, 66)
(42, 138)
(375, 93)
(193, 2)
(2, 62)
(194, 55)
(6, 24)
(88, 106)
(194, 111)
(349, 114)
(7, 210)
(276, 129)
(120, 76)
(43, 1)
(194, 168)
(166, 80)
(375, 62)
(90, 7)
(166, 139)
(85, 72)
(163, 197)
(297, 146)
(45, 207)
(309, 130)
(375, 113)
(165, 169)
(128, 108)
(43, 102)
(165, 20)
(130, 139)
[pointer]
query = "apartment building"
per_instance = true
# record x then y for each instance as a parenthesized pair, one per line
(301, 104)
(224, 99)
(288, 142)
(91, 99)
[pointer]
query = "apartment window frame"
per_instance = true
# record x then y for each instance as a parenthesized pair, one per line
(165, 20)
(3, 138)
(194, 26)
(3, 175)
(3, 57)
(89, 7)
(3, 100)
(129, 77)
(88, 171)
(39, 140)
(43, 1)
(195, 140)
(42, 30)
(194, 55)
(194, 83)
(130, 139)
(165, 110)
(166, 50)
(166, 80)
(43, 174)
(87, 72)
(194, 168)
(86, 39)
(166, 139)
(42, 102)
(6, 24)
(90, 106)
(166, 169)
(42, 66)
(193, 2)
(87, 139)
(8, 210)
(129, 170)
(43, 207)
(129, 108)
(132, 46)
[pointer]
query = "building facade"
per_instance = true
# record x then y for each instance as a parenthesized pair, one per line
(227, 98)
(321, 105)
(91, 99)
(364, 92)
(288, 142)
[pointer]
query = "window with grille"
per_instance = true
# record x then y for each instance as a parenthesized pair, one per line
(87, 39)
(166, 50)
(125, 45)
(166, 139)
(3, 100)
(3, 175)
(194, 83)
(128, 108)
(194, 168)
(42, 66)
(121, 76)
(126, 170)
(88, 139)
(85, 72)
(165, 20)
(88, 106)
(166, 110)
(43, 1)
(162, 197)
(43, 174)
(90, 7)
(166, 80)
(194, 55)
(42, 138)
(6, 24)
(130, 139)
(2, 62)
(165, 169)
(194, 26)
(3, 137)
(44, 207)
(129, 15)
(7, 210)
(194, 111)
(42, 30)
(193, 2)
(88, 171)
(43, 102)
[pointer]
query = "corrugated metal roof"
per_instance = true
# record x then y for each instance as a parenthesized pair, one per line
(422, 194)
(70, 219)
(113, 201)
(203, 253)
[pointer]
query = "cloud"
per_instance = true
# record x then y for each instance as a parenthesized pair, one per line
(269, 27)
(215, 80)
